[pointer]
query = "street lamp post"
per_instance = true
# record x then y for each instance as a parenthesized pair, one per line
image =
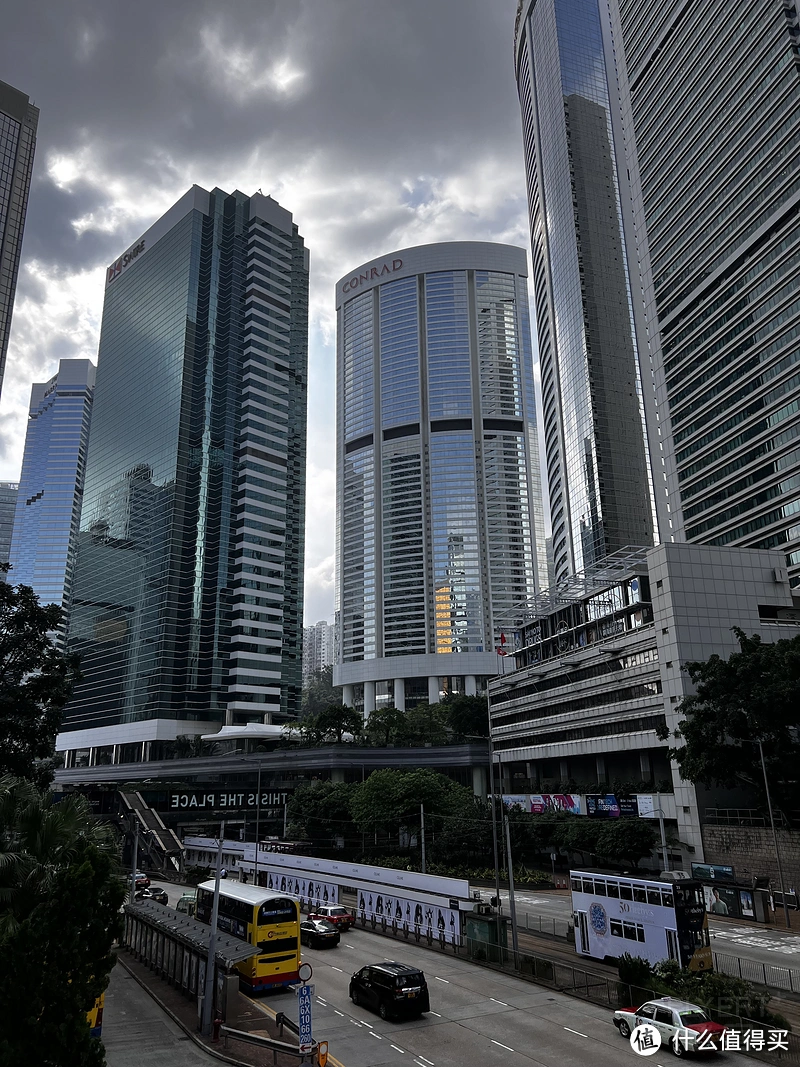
(495, 848)
(208, 992)
(258, 816)
(774, 836)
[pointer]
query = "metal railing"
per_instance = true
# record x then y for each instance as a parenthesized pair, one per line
(228, 1033)
(547, 925)
(766, 974)
(734, 817)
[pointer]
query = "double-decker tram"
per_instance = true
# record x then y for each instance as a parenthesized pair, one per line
(648, 917)
(269, 921)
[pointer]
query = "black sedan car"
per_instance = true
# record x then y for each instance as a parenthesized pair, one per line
(319, 933)
(158, 894)
(394, 990)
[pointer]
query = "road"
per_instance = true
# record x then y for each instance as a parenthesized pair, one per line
(763, 944)
(136, 1031)
(477, 1017)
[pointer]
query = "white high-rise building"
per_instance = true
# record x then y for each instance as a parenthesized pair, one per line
(318, 648)
(439, 514)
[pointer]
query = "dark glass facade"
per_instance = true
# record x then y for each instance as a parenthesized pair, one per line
(48, 511)
(599, 482)
(19, 119)
(714, 105)
(440, 526)
(188, 591)
(8, 505)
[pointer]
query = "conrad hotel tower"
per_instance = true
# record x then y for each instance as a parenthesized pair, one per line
(439, 519)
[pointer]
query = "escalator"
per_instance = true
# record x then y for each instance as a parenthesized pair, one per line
(157, 842)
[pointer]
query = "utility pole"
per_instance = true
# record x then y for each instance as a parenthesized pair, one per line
(774, 837)
(663, 832)
(135, 856)
(422, 833)
(208, 992)
(258, 814)
(511, 901)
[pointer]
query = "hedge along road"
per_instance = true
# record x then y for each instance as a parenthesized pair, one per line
(477, 1017)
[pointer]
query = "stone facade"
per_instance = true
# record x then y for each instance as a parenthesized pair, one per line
(750, 851)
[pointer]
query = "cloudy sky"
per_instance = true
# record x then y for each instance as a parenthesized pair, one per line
(378, 123)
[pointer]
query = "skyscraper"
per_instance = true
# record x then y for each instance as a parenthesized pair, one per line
(713, 103)
(19, 119)
(188, 591)
(319, 648)
(439, 517)
(48, 509)
(589, 318)
(8, 504)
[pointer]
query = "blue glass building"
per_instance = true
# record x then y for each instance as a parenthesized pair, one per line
(51, 484)
(440, 532)
(19, 120)
(598, 405)
(188, 591)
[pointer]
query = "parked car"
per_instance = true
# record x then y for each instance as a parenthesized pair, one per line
(319, 933)
(684, 1027)
(187, 903)
(393, 990)
(336, 914)
(142, 881)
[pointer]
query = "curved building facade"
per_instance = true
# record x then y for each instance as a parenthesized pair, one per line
(590, 323)
(440, 534)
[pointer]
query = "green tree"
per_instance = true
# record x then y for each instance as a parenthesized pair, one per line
(386, 726)
(336, 720)
(319, 693)
(426, 724)
(60, 898)
(467, 717)
(752, 696)
(389, 799)
(626, 840)
(36, 681)
(320, 811)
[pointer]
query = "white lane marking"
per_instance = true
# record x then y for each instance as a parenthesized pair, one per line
(402, 1050)
(438, 979)
(339, 1012)
(321, 1001)
(508, 1048)
(436, 1013)
(425, 1061)
(365, 1023)
(339, 969)
(576, 1032)
(373, 1034)
(350, 947)
(355, 1023)
(499, 1001)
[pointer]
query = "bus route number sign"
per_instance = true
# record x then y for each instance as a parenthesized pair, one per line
(304, 994)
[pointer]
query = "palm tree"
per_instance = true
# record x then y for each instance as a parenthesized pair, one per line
(40, 835)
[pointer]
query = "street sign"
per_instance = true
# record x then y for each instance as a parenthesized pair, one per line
(306, 1042)
(304, 972)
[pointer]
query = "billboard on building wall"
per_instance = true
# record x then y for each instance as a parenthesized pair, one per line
(609, 806)
(419, 917)
(539, 803)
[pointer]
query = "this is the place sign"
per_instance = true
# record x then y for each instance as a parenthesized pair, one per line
(216, 800)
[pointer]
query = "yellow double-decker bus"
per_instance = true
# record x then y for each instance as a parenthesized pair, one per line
(269, 921)
(95, 1016)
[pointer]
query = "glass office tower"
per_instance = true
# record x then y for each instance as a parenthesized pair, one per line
(714, 103)
(19, 119)
(188, 591)
(439, 524)
(8, 506)
(589, 318)
(48, 510)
